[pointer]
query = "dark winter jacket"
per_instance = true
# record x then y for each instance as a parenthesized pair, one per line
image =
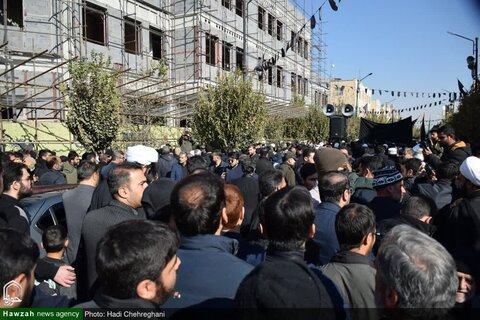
(440, 192)
(385, 208)
(324, 244)
(165, 164)
(52, 177)
(12, 214)
(210, 272)
(457, 152)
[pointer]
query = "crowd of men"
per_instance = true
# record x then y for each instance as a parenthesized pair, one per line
(317, 232)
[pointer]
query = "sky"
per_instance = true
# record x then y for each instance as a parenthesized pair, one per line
(404, 43)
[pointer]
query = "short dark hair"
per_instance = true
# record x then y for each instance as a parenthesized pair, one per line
(447, 170)
(419, 206)
(352, 223)
(19, 254)
(447, 130)
(196, 163)
(89, 156)
(72, 155)
(12, 172)
(373, 163)
(288, 217)
(120, 176)
(331, 186)
(268, 181)
(307, 151)
(248, 167)
(197, 201)
(54, 238)
(413, 164)
(43, 152)
(137, 250)
(86, 169)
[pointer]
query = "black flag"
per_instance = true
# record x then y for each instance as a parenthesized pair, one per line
(313, 22)
(333, 5)
(461, 88)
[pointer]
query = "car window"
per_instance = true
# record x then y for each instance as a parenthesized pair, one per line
(59, 212)
(45, 221)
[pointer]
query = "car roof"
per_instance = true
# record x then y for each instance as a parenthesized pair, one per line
(40, 196)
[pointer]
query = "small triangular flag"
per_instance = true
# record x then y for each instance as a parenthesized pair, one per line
(313, 22)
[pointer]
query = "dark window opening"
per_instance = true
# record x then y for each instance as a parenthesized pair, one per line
(271, 24)
(156, 41)
(279, 30)
(300, 46)
(261, 14)
(293, 82)
(305, 87)
(270, 75)
(14, 13)
(239, 57)
(299, 85)
(305, 54)
(239, 7)
(210, 42)
(94, 18)
(133, 35)
(7, 113)
(226, 3)
(226, 52)
(279, 77)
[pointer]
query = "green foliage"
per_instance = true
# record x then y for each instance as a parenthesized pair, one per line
(465, 121)
(274, 129)
(93, 102)
(316, 125)
(229, 114)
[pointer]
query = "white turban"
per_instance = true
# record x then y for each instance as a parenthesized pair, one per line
(470, 169)
(142, 154)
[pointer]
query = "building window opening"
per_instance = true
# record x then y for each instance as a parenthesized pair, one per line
(239, 8)
(271, 24)
(279, 30)
(261, 15)
(239, 57)
(156, 42)
(279, 77)
(210, 42)
(226, 54)
(226, 3)
(132, 36)
(94, 18)
(14, 13)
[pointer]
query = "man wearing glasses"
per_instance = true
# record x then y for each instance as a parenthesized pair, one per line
(16, 185)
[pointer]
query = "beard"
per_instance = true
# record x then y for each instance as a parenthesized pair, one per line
(163, 293)
(25, 191)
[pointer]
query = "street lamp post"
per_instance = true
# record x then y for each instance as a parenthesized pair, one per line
(358, 91)
(472, 61)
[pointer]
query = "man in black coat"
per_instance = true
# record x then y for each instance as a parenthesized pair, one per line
(453, 150)
(284, 281)
(130, 246)
(458, 227)
(388, 182)
(126, 183)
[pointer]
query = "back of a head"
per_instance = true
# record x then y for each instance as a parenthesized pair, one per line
(447, 170)
(43, 152)
(118, 154)
(234, 205)
(268, 181)
(287, 218)
(197, 202)
(331, 186)
(371, 162)
(248, 167)
(86, 169)
(196, 163)
(165, 149)
(419, 206)
(19, 254)
(352, 223)
(54, 238)
(420, 270)
(120, 176)
(89, 156)
(137, 250)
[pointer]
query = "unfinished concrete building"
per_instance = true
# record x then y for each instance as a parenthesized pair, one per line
(198, 39)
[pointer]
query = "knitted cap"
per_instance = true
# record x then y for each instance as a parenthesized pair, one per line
(386, 176)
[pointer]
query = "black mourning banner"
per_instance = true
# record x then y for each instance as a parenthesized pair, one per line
(398, 132)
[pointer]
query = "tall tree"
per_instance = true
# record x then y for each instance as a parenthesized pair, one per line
(93, 102)
(317, 125)
(230, 113)
(465, 121)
